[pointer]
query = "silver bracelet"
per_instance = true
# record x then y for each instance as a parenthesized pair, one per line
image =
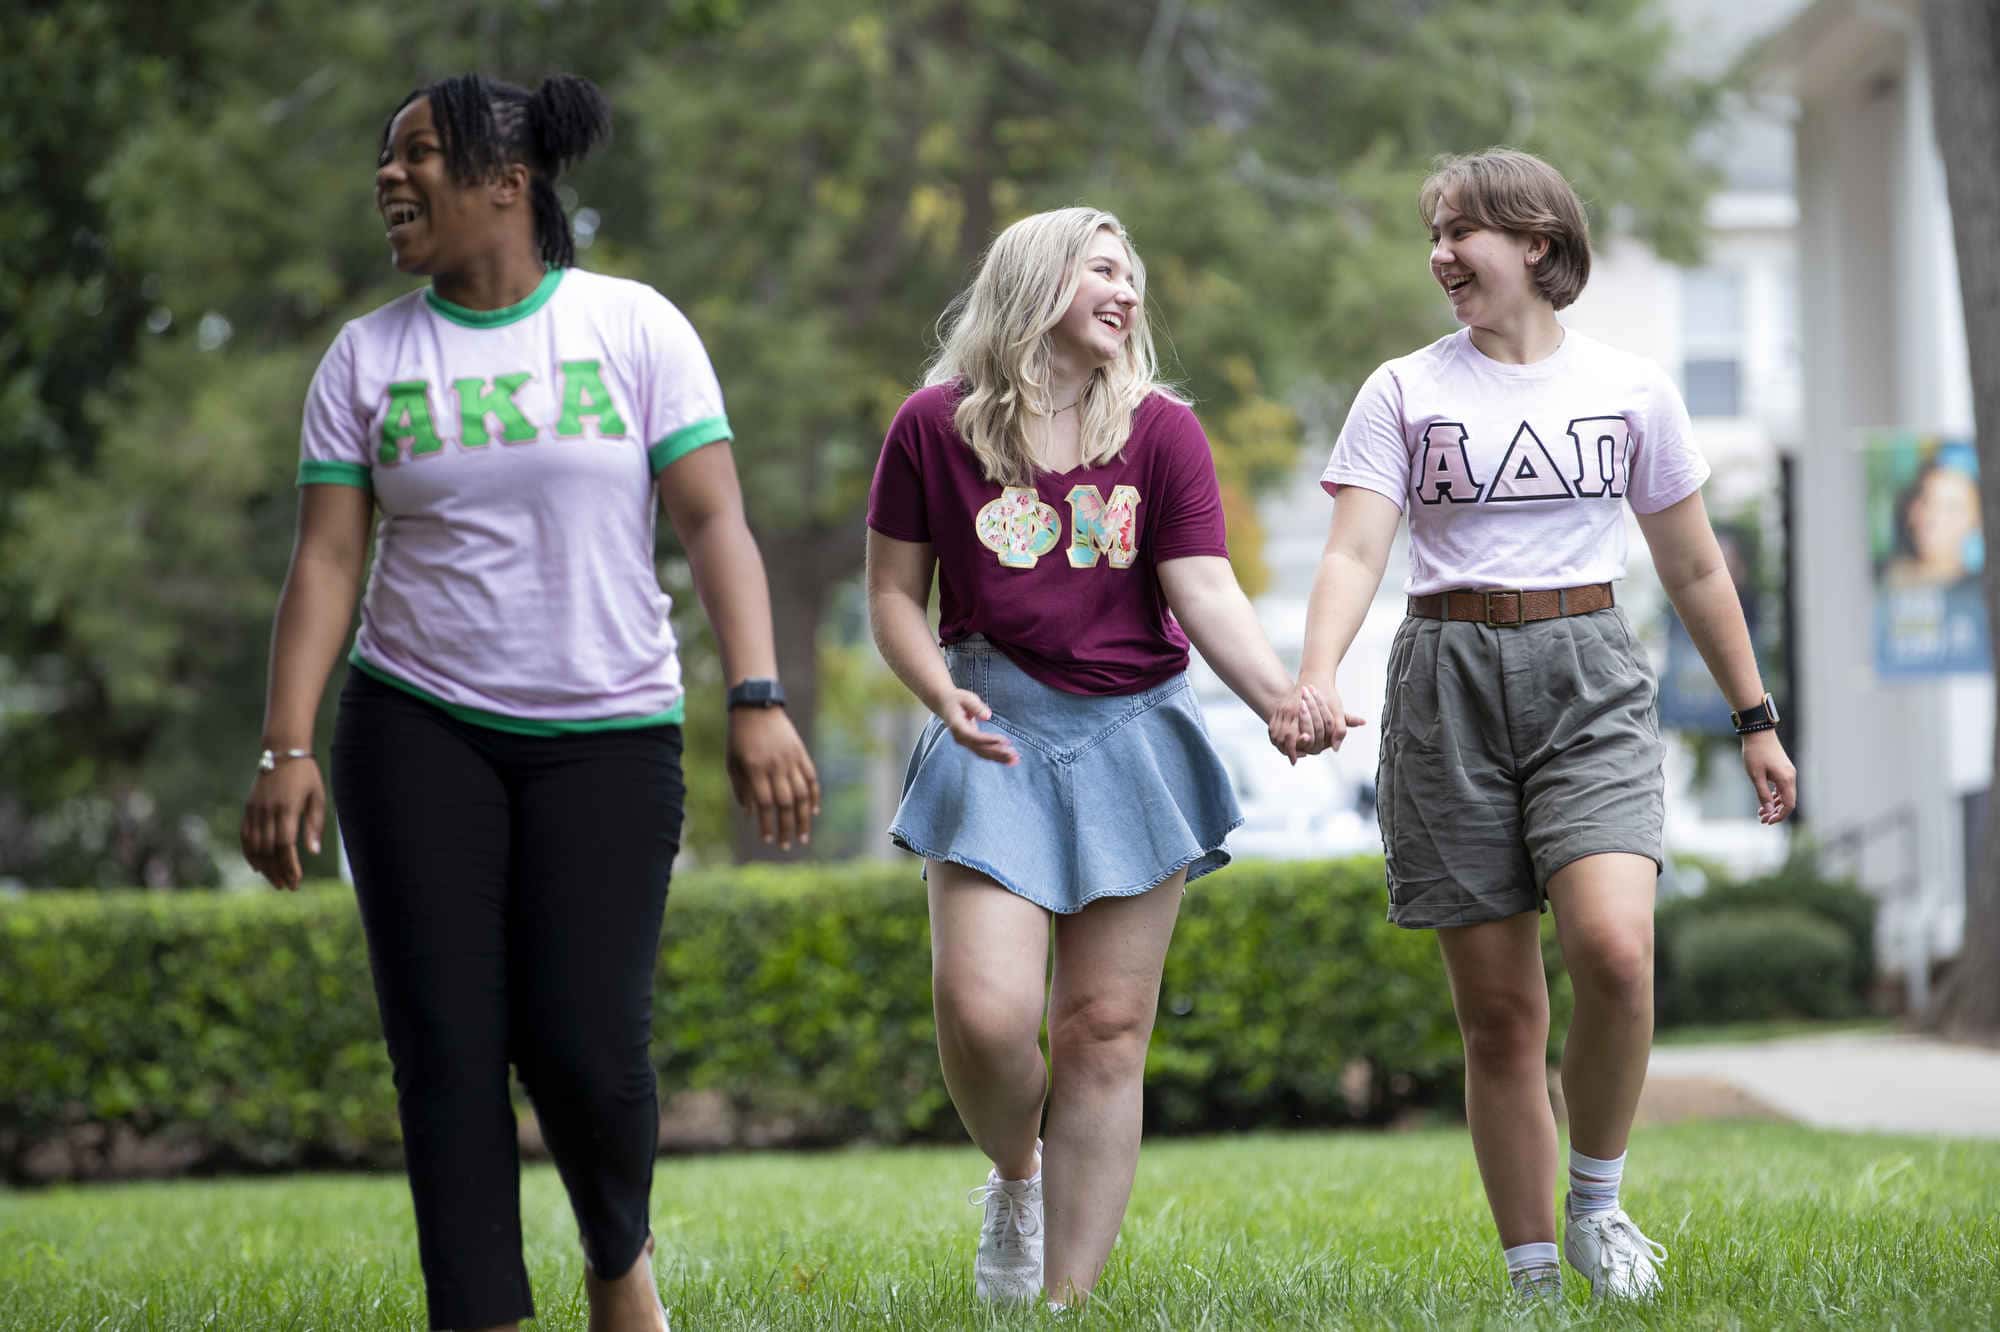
(268, 760)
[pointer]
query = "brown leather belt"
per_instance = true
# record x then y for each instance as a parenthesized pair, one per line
(1509, 609)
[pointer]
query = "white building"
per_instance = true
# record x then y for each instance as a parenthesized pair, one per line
(1883, 338)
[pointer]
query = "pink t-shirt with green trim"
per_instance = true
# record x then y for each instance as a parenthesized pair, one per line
(512, 455)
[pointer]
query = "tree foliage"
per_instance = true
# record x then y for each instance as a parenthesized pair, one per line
(810, 179)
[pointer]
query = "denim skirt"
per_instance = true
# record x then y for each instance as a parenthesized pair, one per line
(1113, 794)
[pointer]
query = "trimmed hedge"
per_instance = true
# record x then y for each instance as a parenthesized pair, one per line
(1763, 964)
(1817, 932)
(239, 1031)
(221, 1031)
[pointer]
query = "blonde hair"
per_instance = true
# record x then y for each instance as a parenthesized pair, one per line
(1508, 190)
(994, 342)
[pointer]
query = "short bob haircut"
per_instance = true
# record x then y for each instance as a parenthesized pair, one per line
(1508, 190)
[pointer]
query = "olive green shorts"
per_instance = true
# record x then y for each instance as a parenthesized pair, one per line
(1509, 752)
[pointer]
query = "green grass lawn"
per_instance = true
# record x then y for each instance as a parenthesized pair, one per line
(1769, 1226)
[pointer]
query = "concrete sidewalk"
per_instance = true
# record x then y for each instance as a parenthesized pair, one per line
(1887, 1083)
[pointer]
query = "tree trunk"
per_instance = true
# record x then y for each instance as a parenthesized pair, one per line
(804, 569)
(1964, 43)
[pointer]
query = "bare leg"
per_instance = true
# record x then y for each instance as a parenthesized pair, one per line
(629, 1303)
(1502, 1001)
(989, 959)
(1604, 916)
(1101, 1008)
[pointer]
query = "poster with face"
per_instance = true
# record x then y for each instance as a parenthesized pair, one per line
(1927, 552)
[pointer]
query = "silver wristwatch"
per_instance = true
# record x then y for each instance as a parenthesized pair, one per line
(268, 760)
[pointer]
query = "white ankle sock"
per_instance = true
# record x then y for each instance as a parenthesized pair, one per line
(1534, 1271)
(1593, 1183)
(1524, 1256)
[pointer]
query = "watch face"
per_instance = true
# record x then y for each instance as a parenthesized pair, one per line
(756, 694)
(1766, 711)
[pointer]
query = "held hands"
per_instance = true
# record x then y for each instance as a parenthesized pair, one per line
(961, 711)
(1310, 720)
(1771, 772)
(772, 774)
(279, 800)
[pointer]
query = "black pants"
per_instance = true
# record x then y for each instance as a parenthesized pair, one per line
(511, 888)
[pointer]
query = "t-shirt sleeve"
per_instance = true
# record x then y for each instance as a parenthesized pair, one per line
(1667, 466)
(1189, 520)
(333, 439)
(1372, 450)
(682, 400)
(896, 495)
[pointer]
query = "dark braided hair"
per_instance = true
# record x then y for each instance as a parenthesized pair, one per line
(486, 126)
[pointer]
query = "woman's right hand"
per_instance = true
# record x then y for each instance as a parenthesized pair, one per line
(961, 712)
(1313, 720)
(279, 801)
(1296, 726)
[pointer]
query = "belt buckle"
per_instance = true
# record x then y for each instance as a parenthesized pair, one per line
(1514, 623)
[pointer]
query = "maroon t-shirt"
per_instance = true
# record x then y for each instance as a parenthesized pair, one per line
(1062, 575)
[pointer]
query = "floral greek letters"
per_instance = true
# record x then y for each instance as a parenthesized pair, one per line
(1020, 529)
(1096, 527)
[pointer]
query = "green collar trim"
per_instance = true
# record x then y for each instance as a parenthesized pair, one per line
(512, 314)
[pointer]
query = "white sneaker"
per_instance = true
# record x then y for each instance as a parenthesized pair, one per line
(1009, 1265)
(1620, 1261)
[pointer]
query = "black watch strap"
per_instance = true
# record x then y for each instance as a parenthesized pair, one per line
(1762, 716)
(759, 691)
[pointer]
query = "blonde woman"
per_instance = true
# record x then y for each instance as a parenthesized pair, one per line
(1067, 502)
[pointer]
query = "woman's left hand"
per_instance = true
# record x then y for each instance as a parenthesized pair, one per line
(772, 774)
(1771, 772)
(1302, 724)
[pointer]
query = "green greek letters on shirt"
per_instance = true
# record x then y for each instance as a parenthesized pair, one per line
(476, 402)
(584, 395)
(408, 422)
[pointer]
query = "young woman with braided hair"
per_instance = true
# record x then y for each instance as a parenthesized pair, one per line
(507, 756)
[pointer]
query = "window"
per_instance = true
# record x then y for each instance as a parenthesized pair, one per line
(1712, 341)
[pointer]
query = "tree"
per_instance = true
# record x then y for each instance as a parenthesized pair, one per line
(211, 175)
(828, 187)
(1964, 45)
(810, 179)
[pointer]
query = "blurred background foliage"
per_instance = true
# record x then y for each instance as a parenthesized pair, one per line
(186, 218)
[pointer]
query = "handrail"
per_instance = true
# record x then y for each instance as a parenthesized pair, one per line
(1904, 888)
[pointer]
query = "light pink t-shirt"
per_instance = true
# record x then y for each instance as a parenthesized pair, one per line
(1516, 476)
(511, 455)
